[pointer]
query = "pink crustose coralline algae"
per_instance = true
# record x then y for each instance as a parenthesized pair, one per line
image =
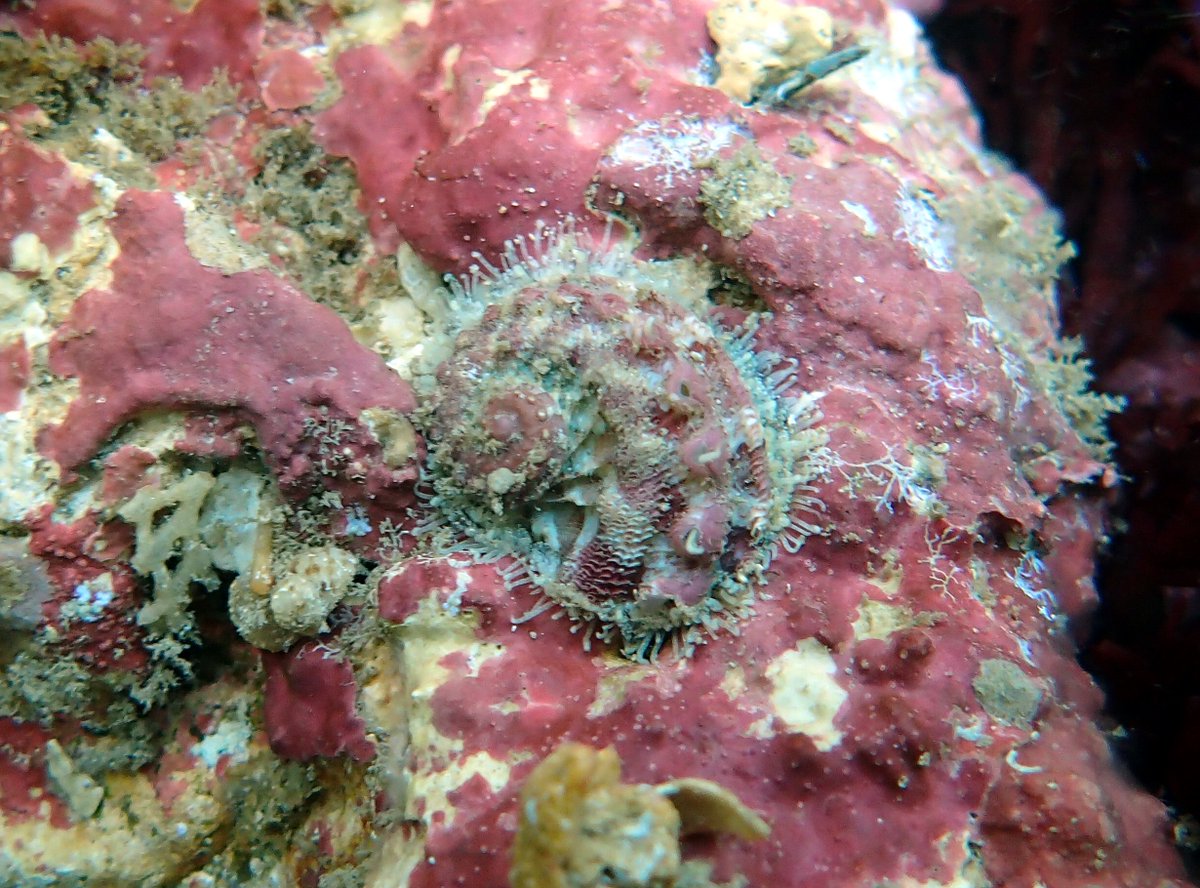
(433, 430)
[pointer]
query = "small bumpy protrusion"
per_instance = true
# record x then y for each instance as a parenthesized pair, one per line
(640, 460)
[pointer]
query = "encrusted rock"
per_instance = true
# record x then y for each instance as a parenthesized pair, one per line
(210, 453)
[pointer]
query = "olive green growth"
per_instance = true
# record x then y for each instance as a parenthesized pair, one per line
(1067, 377)
(1009, 250)
(802, 145)
(307, 201)
(98, 87)
(741, 190)
(1006, 693)
(296, 10)
(63, 78)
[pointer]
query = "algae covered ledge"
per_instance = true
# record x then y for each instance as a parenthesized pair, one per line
(622, 444)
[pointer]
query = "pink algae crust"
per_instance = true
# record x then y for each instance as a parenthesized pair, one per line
(80, 553)
(883, 335)
(920, 763)
(14, 373)
(24, 787)
(38, 195)
(400, 591)
(125, 471)
(428, 163)
(287, 80)
(309, 706)
(68, 556)
(904, 776)
(246, 343)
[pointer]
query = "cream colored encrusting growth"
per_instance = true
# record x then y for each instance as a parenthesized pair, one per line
(756, 38)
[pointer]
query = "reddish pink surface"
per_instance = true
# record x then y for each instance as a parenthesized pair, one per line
(864, 317)
(203, 340)
(170, 773)
(436, 174)
(125, 472)
(874, 327)
(186, 44)
(24, 786)
(287, 80)
(14, 373)
(219, 435)
(38, 194)
(76, 554)
(309, 706)
(401, 592)
(836, 817)
(379, 124)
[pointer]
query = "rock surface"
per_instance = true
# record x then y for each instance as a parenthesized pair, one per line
(844, 469)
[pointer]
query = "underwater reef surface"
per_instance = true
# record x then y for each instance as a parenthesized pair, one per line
(508, 443)
(1120, 77)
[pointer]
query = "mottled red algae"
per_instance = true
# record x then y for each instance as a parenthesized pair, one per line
(287, 80)
(308, 706)
(14, 373)
(83, 561)
(23, 784)
(908, 771)
(741, 448)
(852, 710)
(39, 197)
(428, 167)
(206, 340)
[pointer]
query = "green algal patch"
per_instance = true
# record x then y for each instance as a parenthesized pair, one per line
(1006, 693)
(267, 793)
(298, 10)
(307, 200)
(273, 805)
(355, 856)
(980, 582)
(39, 684)
(742, 189)
(343, 877)
(1012, 253)
(122, 748)
(154, 120)
(99, 107)
(1067, 377)
(730, 287)
(802, 145)
(12, 587)
(42, 684)
(267, 798)
(289, 10)
(65, 79)
(24, 587)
